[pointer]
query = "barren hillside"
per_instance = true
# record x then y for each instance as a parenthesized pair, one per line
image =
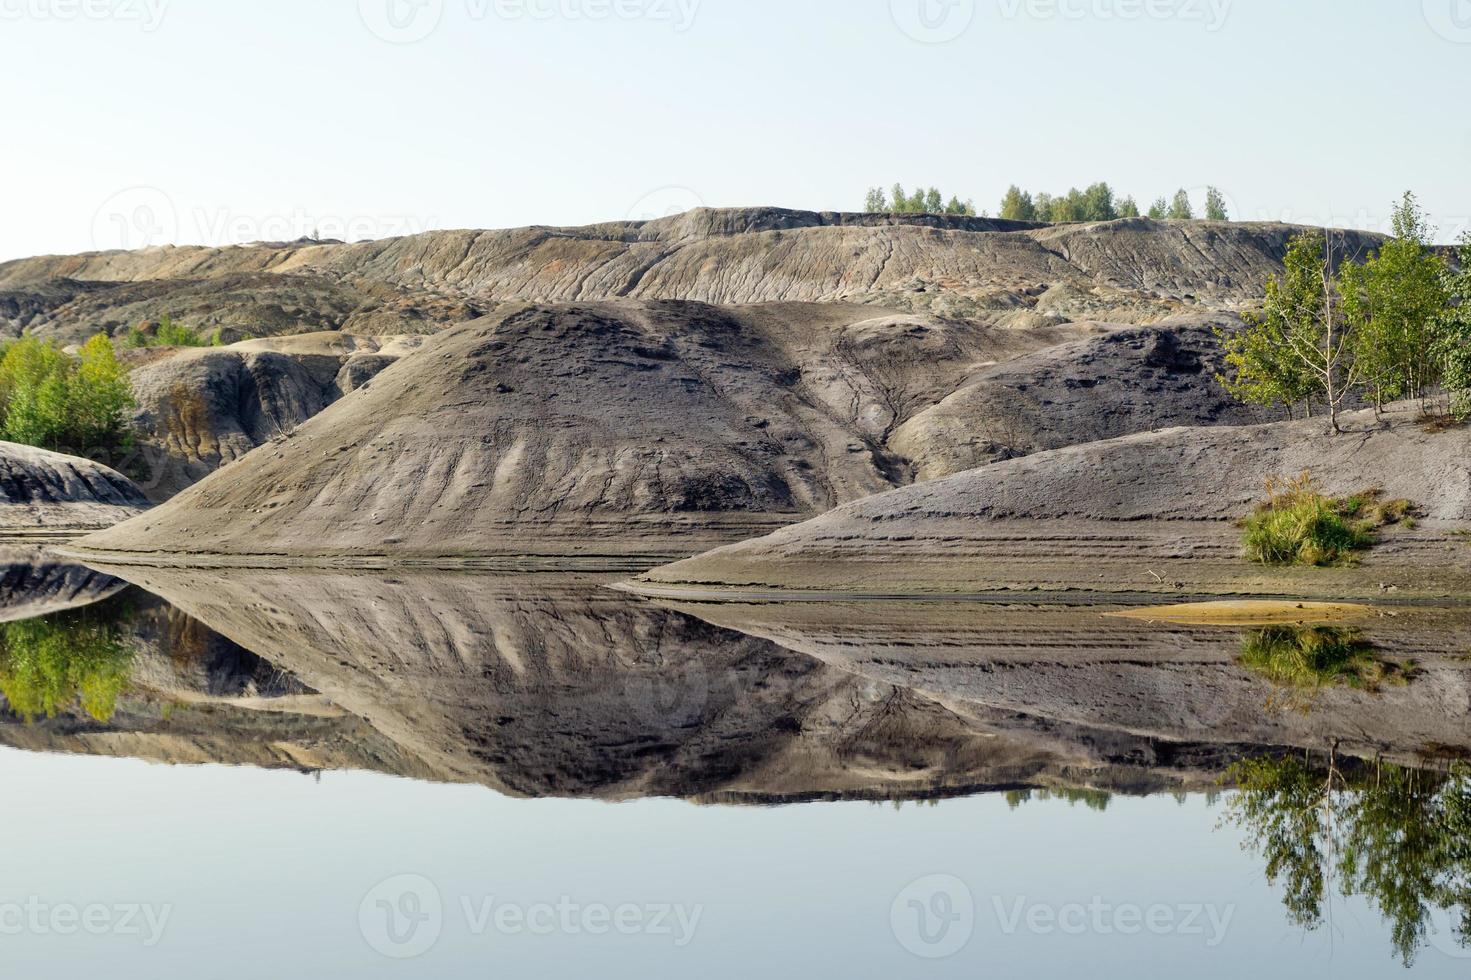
(1153, 512)
(644, 429)
(1130, 271)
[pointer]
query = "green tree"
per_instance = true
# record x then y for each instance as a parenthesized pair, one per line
(101, 397)
(51, 400)
(1017, 205)
(1098, 203)
(1453, 333)
(876, 202)
(899, 201)
(1215, 205)
(1180, 207)
(957, 206)
(1300, 345)
(1396, 302)
(1042, 205)
(1128, 208)
(1160, 209)
(934, 201)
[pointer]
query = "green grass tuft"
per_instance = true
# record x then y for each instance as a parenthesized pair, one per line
(1297, 525)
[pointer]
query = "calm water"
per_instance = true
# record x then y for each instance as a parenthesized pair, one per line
(359, 775)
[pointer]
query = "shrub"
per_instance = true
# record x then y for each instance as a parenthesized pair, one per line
(1299, 526)
(171, 334)
(54, 401)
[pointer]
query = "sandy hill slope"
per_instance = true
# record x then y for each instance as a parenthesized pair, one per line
(1133, 271)
(42, 491)
(641, 429)
(1147, 513)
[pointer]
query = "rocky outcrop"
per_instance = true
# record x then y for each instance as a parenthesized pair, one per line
(202, 408)
(237, 304)
(1126, 380)
(46, 492)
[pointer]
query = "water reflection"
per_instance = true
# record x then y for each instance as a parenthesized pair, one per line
(1398, 836)
(554, 685)
(78, 656)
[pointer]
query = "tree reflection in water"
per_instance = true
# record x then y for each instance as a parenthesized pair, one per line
(49, 664)
(1397, 836)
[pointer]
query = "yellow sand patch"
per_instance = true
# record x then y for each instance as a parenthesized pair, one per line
(1249, 612)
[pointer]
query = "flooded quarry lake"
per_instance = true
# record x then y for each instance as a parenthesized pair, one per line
(429, 773)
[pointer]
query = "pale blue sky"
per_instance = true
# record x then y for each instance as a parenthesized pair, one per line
(136, 121)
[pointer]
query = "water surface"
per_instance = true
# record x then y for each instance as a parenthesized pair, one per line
(425, 775)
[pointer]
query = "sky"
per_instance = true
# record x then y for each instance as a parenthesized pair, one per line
(139, 122)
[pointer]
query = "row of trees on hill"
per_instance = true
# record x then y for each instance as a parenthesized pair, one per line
(1099, 203)
(922, 201)
(1335, 328)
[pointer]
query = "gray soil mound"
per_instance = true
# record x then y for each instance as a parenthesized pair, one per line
(625, 428)
(47, 492)
(557, 429)
(1125, 381)
(1149, 512)
(1133, 271)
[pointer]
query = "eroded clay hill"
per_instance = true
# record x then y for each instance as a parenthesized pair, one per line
(202, 408)
(1130, 271)
(1153, 512)
(647, 429)
(48, 492)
